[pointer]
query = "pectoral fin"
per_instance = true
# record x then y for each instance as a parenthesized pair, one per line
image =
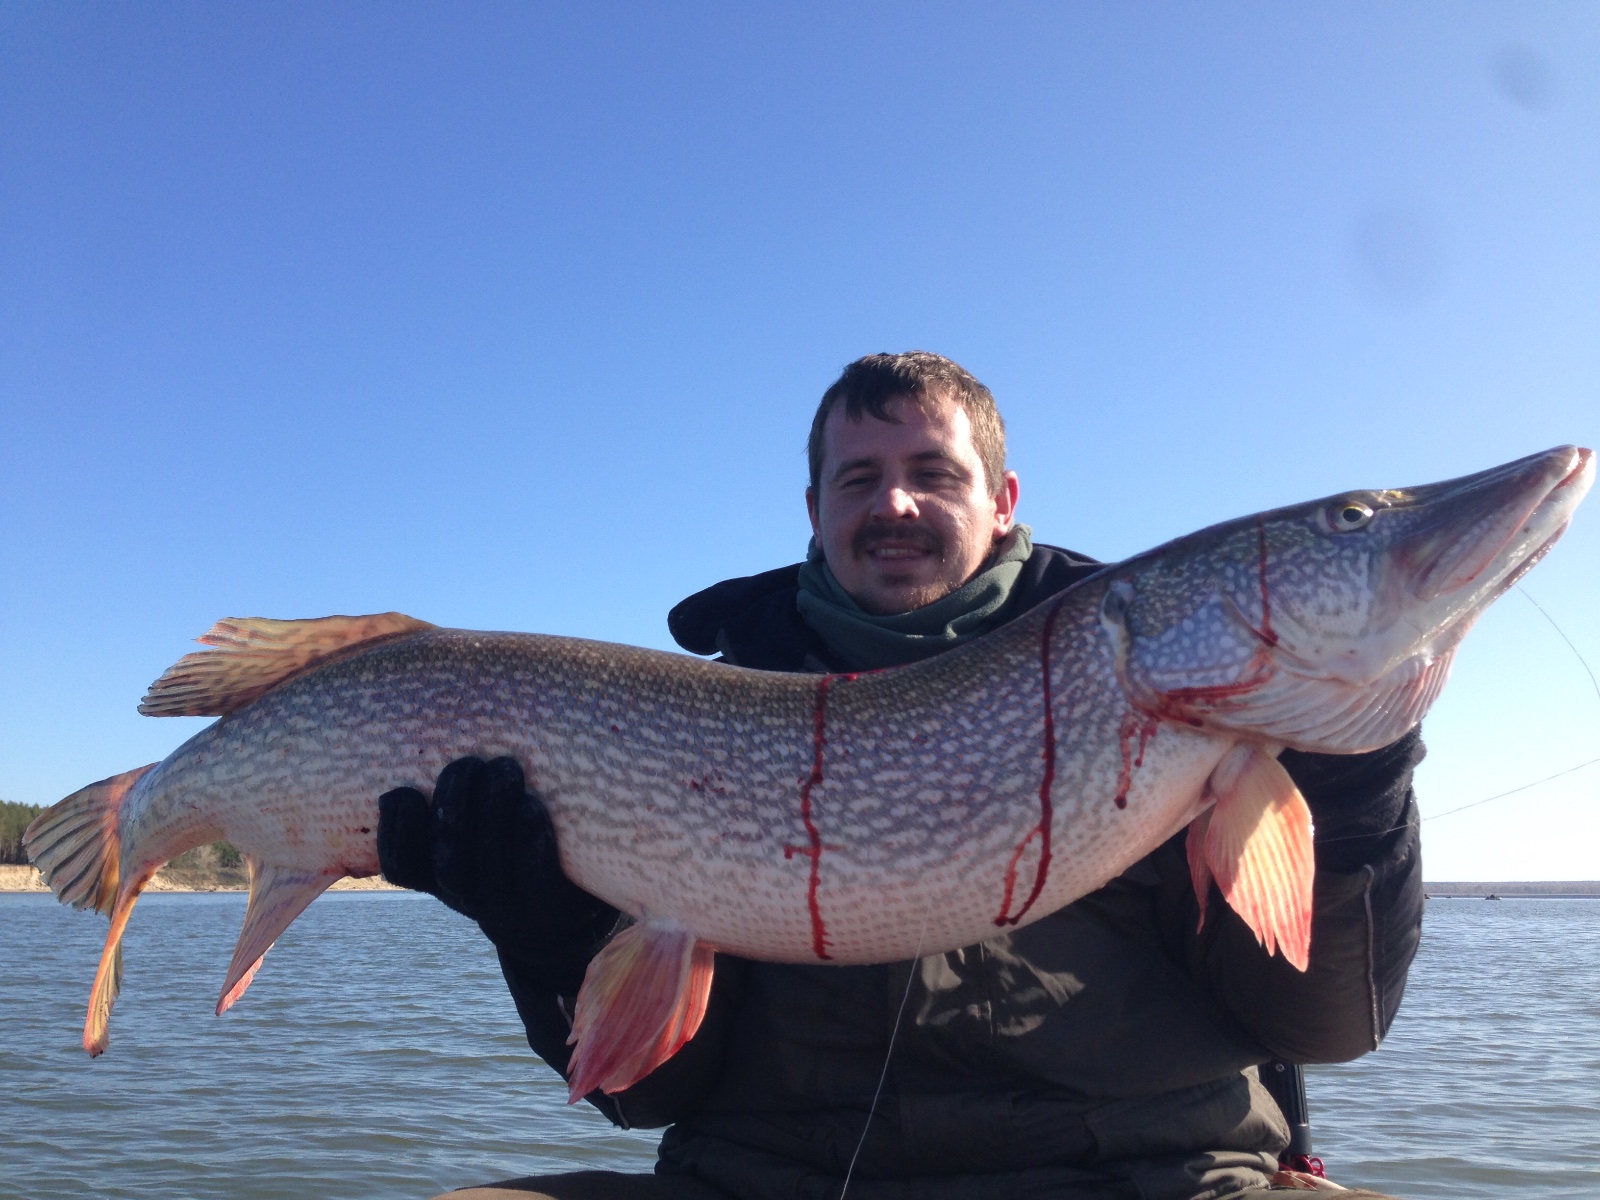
(277, 896)
(643, 997)
(1256, 843)
(1199, 868)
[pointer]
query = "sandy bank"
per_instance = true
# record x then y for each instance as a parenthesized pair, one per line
(26, 879)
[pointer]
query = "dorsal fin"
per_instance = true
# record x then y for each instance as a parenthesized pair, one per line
(254, 654)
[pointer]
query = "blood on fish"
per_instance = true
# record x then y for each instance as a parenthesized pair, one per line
(1175, 703)
(1041, 870)
(1178, 704)
(1261, 669)
(1142, 725)
(814, 847)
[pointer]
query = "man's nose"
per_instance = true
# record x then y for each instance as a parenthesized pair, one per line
(895, 503)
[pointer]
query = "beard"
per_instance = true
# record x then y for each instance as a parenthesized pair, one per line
(908, 596)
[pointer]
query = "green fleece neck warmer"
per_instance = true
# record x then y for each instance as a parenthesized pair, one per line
(865, 642)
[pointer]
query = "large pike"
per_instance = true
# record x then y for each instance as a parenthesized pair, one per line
(841, 818)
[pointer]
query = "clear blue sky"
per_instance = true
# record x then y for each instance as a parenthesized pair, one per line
(513, 316)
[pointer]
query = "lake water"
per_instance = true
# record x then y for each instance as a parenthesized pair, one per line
(378, 1055)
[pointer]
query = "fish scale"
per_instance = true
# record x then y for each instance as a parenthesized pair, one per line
(842, 818)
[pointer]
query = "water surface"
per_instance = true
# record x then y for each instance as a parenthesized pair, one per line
(1489, 1083)
(378, 1055)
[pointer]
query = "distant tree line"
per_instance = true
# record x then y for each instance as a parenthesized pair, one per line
(14, 818)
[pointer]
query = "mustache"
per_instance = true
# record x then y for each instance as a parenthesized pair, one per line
(869, 537)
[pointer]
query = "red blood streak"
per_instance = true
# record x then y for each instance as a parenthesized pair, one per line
(1179, 704)
(1212, 693)
(1041, 870)
(813, 849)
(1185, 703)
(1140, 725)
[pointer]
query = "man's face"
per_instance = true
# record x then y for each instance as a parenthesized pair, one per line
(902, 511)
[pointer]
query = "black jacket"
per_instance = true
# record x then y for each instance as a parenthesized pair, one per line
(1106, 1050)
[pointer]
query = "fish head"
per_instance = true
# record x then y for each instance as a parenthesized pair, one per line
(1331, 625)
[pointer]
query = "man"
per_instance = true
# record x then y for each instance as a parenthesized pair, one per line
(1109, 1050)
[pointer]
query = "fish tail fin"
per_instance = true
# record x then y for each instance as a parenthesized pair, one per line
(1257, 846)
(76, 843)
(277, 896)
(643, 997)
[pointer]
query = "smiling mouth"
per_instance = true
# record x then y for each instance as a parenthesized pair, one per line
(897, 552)
(897, 545)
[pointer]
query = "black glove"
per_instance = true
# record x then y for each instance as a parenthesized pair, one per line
(1360, 803)
(485, 846)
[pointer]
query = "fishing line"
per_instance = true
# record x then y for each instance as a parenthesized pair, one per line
(1502, 795)
(1529, 598)
(1512, 791)
(1592, 680)
(894, 1033)
(1452, 811)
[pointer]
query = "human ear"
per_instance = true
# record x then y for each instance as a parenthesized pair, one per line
(811, 511)
(1005, 504)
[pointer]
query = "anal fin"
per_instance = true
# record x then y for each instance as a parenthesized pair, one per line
(277, 896)
(108, 977)
(1256, 843)
(77, 846)
(643, 997)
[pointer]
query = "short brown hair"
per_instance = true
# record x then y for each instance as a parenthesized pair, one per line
(867, 385)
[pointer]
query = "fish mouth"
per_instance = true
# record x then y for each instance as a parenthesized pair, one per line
(1469, 540)
(1487, 531)
(1481, 533)
(1582, 469)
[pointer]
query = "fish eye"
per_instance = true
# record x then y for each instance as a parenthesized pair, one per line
(1346, 516)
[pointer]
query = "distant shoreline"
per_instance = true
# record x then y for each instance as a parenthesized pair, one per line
(1580, 889)
(26, 879)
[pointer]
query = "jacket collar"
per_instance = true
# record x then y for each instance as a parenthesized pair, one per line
(753, 621)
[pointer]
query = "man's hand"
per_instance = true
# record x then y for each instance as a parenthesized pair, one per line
(485, 846)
